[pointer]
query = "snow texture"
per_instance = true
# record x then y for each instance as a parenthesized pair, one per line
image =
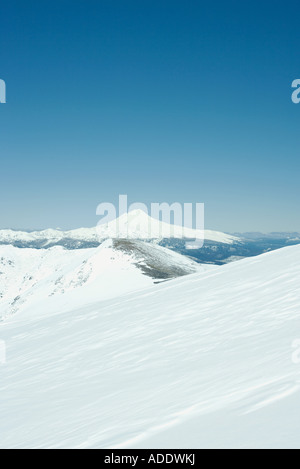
(205, 360)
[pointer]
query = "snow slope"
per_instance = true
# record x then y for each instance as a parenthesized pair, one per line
(51, 279)
(199, 361)
(136, 225)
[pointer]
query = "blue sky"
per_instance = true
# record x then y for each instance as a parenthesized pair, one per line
(162, 100)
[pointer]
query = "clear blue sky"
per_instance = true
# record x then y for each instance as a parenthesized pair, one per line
(168, 100)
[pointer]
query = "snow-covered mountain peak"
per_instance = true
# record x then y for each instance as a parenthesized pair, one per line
(133, 225)
(137, 224)
(137, 214)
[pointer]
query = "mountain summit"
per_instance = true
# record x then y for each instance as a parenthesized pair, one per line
(135, 225)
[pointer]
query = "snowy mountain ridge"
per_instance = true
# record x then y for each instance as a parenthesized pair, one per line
(135, 225)
(51, 278)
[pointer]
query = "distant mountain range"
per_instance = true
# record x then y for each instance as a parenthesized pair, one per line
(135, 225)
(292, 236)
(219, 248)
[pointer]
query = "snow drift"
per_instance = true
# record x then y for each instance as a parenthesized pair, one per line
(199, 361)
